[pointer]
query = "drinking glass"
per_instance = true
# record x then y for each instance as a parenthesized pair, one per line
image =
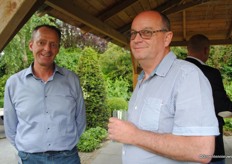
(120, 114)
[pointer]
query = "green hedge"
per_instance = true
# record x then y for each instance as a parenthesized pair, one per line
(228, 124)
(91, 139)
(94, 89)
(1, 103)
(116, 103)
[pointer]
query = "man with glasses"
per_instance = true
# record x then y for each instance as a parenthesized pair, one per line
(171, 117)
(44, 110)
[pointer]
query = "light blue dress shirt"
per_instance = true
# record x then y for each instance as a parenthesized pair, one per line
(44, 116)
(175, 99)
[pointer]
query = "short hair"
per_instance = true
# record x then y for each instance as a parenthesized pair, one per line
(47, 26)
(198, 42)
(165, 21)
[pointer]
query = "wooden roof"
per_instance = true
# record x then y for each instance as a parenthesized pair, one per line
(111, 19)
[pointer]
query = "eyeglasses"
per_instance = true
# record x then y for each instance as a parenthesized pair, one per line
(145, 34)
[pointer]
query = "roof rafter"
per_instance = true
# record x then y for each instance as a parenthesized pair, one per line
(115, 9)
(161, 8)
(111, 11)
(170, 7)
(14, 15)
(79, 14)
(184, 6)
(229, 34)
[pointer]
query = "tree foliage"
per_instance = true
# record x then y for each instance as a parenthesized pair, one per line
(75, 38)
(118, 88)
(116, 62)
(116, 66)
(68, 58)
(221, 58)
(94, 89)
(116, 103)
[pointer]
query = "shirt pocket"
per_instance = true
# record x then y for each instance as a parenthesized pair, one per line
(149, 118)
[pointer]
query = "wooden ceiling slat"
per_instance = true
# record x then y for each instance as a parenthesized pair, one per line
(229, 33)
(111, 19)
(145, 4)
(184, 25)
(137, 7)
(212, 42)
(184, 6)
(112, 11)
(117, 8)
(80, 15)
(167, 5)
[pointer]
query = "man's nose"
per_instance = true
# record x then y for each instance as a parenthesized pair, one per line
(47, 46)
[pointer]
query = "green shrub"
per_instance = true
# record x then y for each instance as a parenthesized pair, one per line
(3, 80)
(94, 89)
(91, 139)
(1, 103)
(116, 103)
(98, 133)
(228, 124)
(118, 87)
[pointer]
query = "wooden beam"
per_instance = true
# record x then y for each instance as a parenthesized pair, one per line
(114, 10)
(229, 33)
(167, 5)
(79, 14)
(111, 11)
(13, 15)
(105, 15)
(212, 42)
(161, 8)
(184, 25)
(170, 7)
(185, 6)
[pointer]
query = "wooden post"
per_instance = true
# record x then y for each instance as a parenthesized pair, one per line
(13, 15)
(136, 70)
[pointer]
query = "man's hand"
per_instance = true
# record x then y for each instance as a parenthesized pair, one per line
(121, 131)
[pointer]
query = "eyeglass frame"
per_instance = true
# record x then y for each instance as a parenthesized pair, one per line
(140, 34)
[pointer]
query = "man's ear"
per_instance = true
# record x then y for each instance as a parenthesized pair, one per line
(206, 50)
(30, 45)
(168, 38)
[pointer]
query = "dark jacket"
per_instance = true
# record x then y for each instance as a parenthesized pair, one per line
(221, 101)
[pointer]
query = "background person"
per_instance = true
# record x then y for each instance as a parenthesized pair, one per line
(198, 53)
(44, 110)
(171, 116)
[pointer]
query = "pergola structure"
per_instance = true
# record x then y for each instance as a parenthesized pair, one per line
(111, 19)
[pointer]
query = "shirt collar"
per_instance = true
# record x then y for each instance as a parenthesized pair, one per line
(196, 59)
(57, 70)
(163, 68)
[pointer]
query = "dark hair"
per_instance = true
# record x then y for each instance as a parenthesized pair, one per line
(198, 42)
(48, 26)
(166, 22)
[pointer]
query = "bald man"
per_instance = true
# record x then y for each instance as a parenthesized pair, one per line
(171, 116)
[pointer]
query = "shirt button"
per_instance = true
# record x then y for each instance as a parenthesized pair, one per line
(123, 152)
(136, 107)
